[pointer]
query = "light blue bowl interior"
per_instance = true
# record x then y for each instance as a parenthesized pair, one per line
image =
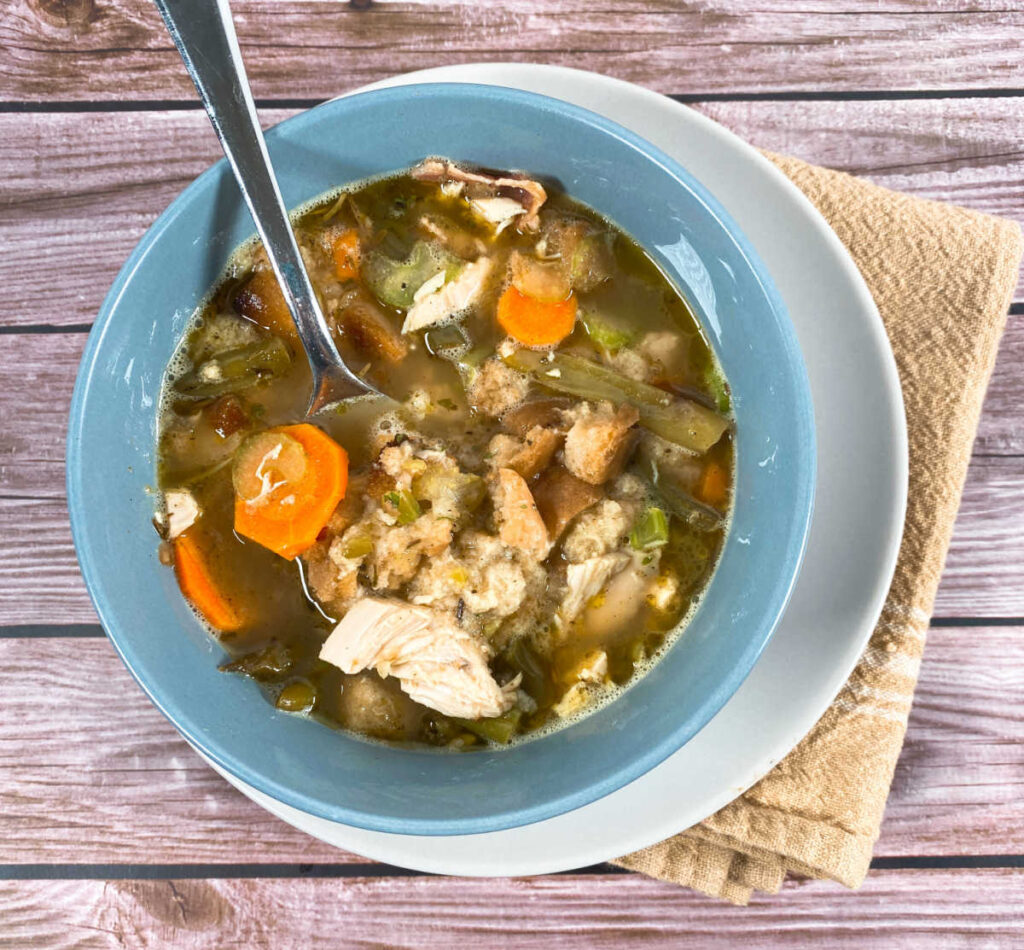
(329, 774)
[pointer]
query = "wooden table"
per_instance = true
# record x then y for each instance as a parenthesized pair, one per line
(113, 833)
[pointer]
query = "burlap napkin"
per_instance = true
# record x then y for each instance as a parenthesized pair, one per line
(943, 278)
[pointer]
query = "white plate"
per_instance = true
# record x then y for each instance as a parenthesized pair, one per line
(854, 539)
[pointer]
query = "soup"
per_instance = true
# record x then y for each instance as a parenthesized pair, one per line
(515, 531)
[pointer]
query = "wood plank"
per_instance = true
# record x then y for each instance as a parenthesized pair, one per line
(984, 575)
(76, 211)
(301, 48)
(136, 793)
(959, 782)
(895, 909)
(37, 374)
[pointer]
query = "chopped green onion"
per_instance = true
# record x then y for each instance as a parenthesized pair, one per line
(405, 504)
(650, 530)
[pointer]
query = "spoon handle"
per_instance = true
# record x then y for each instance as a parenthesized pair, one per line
(205, 36)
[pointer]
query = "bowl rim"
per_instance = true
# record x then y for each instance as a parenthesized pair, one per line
(790, 556)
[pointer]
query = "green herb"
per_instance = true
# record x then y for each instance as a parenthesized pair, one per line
(650, 530)
(447, 403)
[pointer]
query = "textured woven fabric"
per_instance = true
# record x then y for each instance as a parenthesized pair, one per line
(942, 278)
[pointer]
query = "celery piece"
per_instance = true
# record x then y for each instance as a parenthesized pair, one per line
(396, 282)
(680, 420)
(358, 546)
(500, 729)
(606, 333)
(405, 504)
(443, 339)
(451, 493)
(650, 530)
(717, 387)
(592, 261)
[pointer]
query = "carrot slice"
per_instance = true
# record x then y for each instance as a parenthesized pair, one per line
(535, 322)
(345, 250)
(261, 300)
(296, 500)
(199, 587)
(713, 485)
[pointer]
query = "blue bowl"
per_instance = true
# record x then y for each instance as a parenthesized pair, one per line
(332, 775)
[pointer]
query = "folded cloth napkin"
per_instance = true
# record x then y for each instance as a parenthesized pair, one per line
(942, 278)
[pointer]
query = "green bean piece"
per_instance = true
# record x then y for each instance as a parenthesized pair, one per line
(678, 500)
(499, 730)
(235, 370)
(297, 697)
(266, 664)
(592, 261)
(451, 493)
(717, 387)
(680, 420)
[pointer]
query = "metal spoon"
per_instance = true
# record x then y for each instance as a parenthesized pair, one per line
(205, 36)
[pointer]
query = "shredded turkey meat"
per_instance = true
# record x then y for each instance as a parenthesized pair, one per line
(436, 663)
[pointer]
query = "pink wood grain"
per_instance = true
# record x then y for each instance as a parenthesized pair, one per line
(90, 772)
(898, 910)
(84, 49)
(40, 583)
(80, 189)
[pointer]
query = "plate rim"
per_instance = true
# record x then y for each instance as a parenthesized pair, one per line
(795, 540)
(421, 853)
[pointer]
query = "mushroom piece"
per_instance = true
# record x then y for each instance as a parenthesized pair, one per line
(480, 185)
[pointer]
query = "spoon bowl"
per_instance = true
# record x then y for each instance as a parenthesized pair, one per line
(204, 34)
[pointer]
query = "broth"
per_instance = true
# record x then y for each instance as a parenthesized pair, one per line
(539, 504)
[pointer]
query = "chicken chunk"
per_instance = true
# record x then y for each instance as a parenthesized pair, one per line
(529, 455)
(443, 299)
(436, 663)
(599, 442)
(182, 511)
(519, 522)
(480, 185)
(586, 580)
(497, 388)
